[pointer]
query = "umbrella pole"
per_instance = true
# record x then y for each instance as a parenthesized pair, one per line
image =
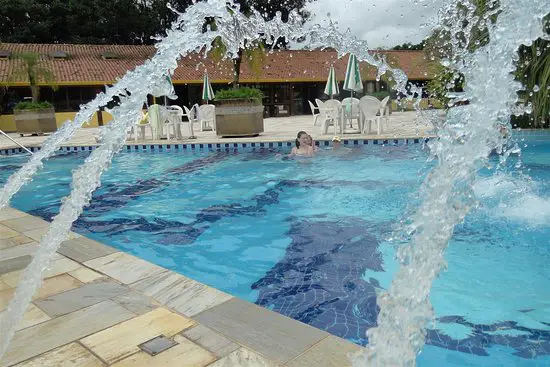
(191, 130)
(351, 111)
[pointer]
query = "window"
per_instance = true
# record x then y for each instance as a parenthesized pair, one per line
(58, 55)
(4, 54)
(109, 55)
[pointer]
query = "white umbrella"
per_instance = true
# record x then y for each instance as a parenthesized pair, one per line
(207, 92)
(331, 89)
(353, 81)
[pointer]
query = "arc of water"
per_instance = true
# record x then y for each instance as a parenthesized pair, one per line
(87, 178)
(185, 36)
(234, 29)
(124, 85)
(405, 310)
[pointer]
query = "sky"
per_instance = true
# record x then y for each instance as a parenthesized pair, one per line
(382, 23)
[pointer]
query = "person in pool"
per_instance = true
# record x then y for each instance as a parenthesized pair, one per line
(342, 151)
(304, 145)
(311, 143)
(336, 143)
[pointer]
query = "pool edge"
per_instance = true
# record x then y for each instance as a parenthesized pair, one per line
(293, 343)
(224, 146)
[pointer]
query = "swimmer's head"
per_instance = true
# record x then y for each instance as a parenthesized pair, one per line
(302, 139)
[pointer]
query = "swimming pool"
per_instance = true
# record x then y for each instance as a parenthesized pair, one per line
(309, 238)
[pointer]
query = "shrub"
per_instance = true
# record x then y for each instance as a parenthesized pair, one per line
(251, 94)
(380, 95)
(527, 121)
(28, 105)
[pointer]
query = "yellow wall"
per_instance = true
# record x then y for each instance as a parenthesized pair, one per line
(7, 122)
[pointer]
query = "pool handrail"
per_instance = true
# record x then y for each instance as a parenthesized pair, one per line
(21, 145)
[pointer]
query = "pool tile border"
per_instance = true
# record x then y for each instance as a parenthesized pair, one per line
(139, 296)
(232, 145)
(229, 146)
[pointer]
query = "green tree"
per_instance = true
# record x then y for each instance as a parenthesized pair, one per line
(104, 21)
(409, 46)
(24, 21)
(254, 53)
(533, 71)
(533, 65)
(269, 8)
(438, 46)
(31, 69)
(444, 81)
(84, 21)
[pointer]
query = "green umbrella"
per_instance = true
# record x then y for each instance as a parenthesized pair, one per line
(207, 92)
(353, 81)
(331, 89)
(173, 91)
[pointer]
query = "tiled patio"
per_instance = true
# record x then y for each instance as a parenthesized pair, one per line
(400, 125)
(97, 305)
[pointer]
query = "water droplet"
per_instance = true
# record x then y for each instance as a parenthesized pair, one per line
(536, 88)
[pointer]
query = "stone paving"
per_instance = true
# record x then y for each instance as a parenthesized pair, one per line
(98, 305)
(399, 125)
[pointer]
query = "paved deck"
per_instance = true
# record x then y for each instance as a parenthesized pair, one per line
(400, 125)
(97, 305)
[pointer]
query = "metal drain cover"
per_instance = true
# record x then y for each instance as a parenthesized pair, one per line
(157, 345)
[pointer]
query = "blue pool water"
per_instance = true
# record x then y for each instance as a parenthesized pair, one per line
(309, 238)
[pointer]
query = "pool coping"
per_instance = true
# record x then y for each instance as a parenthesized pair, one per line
(253, 143)
(247, 331)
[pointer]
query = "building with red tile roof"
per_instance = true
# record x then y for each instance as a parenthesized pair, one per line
(286, 76)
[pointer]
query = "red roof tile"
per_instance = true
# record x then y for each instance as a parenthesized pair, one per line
(85, 65)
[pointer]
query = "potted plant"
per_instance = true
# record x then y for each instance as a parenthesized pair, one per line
(239, 112)
(33, 117)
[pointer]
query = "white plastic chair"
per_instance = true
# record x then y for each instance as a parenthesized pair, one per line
(175, 119)
(191, 115)
(139, 128)
(315, 115)
(166, 120)
(352, 112)
(331, 115)
(370, 108)
(207, 117)
(156, 119)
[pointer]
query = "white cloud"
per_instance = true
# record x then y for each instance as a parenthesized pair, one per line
(382, 23)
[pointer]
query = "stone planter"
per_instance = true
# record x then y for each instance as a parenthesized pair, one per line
(35, 121)
(237, 117)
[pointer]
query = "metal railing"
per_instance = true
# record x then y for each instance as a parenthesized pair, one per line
(9, 137)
